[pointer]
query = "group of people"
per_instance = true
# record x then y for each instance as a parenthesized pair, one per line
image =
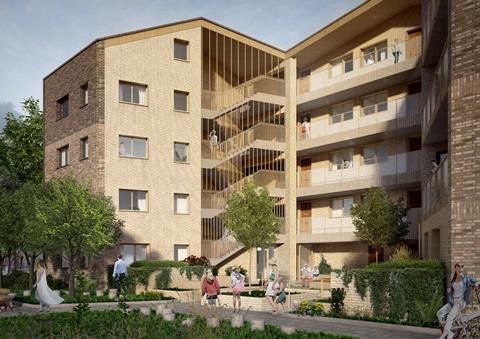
(307, 274)
(275, 292)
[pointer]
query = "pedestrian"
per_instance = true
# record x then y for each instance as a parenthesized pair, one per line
(270, 293)
(281, 295)
(43, 293)
(119, 272)
(238, 286)
(306, 275)
(210, 288)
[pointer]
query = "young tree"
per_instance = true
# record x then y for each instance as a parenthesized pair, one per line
(8, 231)
(81, 222)
(379, 221)
(250, 216)
(21, 146)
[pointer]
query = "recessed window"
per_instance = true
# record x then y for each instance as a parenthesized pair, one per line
(180, 203)
(342, 112)
(180, 152)
(130, 200)
(133, 93)
(63, 156)
(342, 160)
(375, 154)
(133, 252)
(62, 107)
(132, 147)
(341, 65)
(180, 252)
(375, 53)
(375, 103)
(180, 49)
(180, 101)
(84, 91)
(84, 148)
(341, 207)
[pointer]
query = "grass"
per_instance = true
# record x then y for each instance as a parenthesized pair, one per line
(146, 296)
(114, 324)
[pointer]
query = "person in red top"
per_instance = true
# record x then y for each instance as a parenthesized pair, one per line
(210, 288)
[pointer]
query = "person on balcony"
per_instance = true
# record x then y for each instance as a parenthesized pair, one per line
(305, 128)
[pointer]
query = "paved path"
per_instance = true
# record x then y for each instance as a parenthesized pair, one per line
(355, 328)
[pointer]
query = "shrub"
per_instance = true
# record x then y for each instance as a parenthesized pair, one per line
(324, 267)
(163, 279)
(16, 280)
(310, 307)
(158, 263)
(84, 284)
(228, 270)
(197, 261)
(338, 296)
(402, 253)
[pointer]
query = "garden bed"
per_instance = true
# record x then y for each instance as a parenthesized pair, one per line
(114, 324)
(148, 296)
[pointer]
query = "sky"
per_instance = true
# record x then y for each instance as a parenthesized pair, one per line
(36, 36)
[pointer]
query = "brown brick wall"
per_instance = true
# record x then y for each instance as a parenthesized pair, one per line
(464, 126)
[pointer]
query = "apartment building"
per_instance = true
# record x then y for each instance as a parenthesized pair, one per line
(170, 120)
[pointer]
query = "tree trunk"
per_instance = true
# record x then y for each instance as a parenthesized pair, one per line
(250, 272)
(376, 255)
(2, 259)
(71, 277)
(30, 274)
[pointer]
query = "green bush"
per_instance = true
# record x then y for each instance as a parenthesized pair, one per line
(163, 279)
(337, 298)
(324, 267)
(402, 253)
(158, 263)
(146, 296)
(18, 280)
(310, 307)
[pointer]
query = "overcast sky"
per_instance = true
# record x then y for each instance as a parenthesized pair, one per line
(38, 35)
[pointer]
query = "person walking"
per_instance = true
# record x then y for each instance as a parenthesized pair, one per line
(210, 288)
(43, 293)
(270, 292)
(306, 275)
(238, 286)
(281, 295)
(119, 272)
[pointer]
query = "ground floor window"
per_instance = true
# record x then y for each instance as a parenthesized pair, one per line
(180, 252)
(133, 252)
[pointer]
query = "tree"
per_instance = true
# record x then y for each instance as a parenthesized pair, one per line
(8, 231)
(21, 146)
(379, 221)
(249, 214)
(81, 222)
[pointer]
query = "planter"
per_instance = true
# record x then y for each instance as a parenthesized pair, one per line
(112, 293)
(145, 310)
(187, 322)
(288, 329)
(99, 293)
(169, 317)
(237, 320)
(258, 325)
(160, 308)
(167, 311)
(27, 293)
(213, 322)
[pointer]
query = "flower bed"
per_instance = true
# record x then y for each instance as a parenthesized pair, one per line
(148, 296)
(114, 324)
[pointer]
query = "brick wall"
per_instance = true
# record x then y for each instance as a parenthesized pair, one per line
(353, 302)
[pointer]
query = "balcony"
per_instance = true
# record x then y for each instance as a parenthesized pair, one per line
(398, 58)
(395, 115)
(436, 191)
(435, 29)
(263, 88)
(435, 108)
(399, 170)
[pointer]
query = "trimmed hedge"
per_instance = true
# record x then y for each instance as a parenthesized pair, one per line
(18, 280)
(146, 296)
(158, 264)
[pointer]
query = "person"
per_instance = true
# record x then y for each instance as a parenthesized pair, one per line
(306, 128)
(238, 286)
(458, 298)
(210, 288)
(306, 275)
(281, 295)
(119, 272)
(270, 292)
(43, 293)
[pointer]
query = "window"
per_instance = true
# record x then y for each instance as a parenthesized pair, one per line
(63, 156)
(180, 203)
(133, 93)
(133, 200)
(180, 252)
(132, 147)
(375, 154)
(133, 252)
(84, 89)
(342, 112)
(342, 160)
(375, 103)
(180, 152)
(84, 145)
(376, 53)
(414, 144)
(62, 107)
(180, 49)
(180, 101)
(342, 65)
(341, 207)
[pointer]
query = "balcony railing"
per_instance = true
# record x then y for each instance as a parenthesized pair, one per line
(220, 247)
(436, 190)
(261, 131)
(437, 90)
(368, 64)
(391, 165)
(405, 110)
(216, 100)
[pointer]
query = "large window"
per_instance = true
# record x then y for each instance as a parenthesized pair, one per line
(63, 156)
(342, 65)
(180, 49)
(84, 90)
(341, 207)
(180, 152)
(133, 93)
(62, 107)
(375, 154)
(180, 204)
(180, 101)
(342, 160)
(132, 147)
(375, 103)
(133, 252)
(130, 200)
(342, 112)
(375, 53)
(84, 148)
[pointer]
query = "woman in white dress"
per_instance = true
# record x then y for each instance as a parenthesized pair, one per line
(270, 292)
(43, 293)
